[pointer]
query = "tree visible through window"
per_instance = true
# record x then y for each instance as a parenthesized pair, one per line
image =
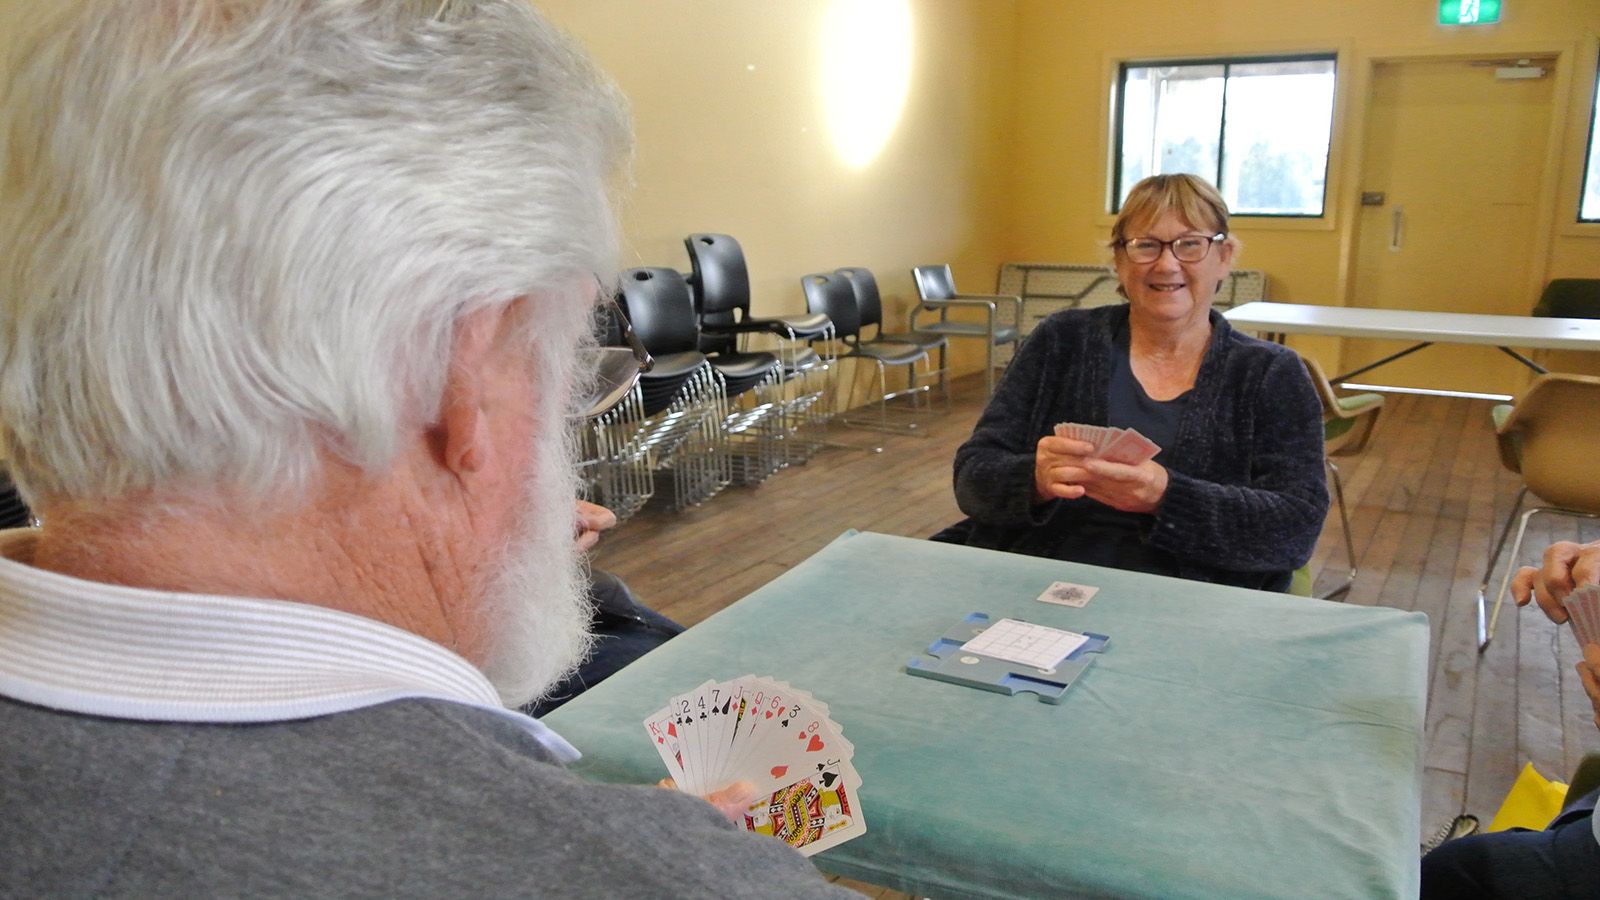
(1257, 129)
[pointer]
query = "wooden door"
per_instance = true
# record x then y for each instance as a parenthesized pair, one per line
(1457, 155)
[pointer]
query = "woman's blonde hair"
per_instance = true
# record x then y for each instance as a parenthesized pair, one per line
(1191, 197)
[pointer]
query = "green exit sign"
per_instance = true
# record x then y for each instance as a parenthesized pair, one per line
(1468, 12)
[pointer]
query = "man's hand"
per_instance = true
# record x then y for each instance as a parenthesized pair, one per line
(1566, 565)
(1062, 468)
(592, 519)
(731, 801)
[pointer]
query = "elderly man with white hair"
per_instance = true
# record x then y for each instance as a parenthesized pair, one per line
(293, 295)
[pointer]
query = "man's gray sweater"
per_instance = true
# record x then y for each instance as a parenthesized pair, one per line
(418, 798)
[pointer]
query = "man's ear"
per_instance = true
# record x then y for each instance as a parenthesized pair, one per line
(463, 433)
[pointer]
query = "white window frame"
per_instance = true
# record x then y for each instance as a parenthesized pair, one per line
(1118, 113)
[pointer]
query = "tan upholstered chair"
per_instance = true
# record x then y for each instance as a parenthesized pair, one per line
(1347, 423)
(1550, 436)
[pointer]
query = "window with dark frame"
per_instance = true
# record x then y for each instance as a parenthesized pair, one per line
(1589, 197)
(1259, 128)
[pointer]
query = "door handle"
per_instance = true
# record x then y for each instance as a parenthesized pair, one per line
(1397, 228)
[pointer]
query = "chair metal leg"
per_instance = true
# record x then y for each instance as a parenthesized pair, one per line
(844, 415)
(1349, 541)
(988, 369)
(1483, 587)
(882, 421)
(1505, 580)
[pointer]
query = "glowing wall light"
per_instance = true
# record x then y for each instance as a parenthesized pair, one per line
(866, 72)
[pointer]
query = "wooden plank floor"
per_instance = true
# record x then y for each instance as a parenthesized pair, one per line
(1426, 500)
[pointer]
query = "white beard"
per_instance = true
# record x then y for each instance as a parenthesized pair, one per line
(537, 605)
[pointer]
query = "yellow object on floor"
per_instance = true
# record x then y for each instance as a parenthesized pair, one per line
(1532, 802)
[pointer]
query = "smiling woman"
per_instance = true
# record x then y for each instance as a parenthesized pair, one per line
(866, 72)
(1235, 494)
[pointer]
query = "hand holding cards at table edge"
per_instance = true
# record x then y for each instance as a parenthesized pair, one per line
(1567, 566)
(1064, 468)
(731, 801)
(769, 744)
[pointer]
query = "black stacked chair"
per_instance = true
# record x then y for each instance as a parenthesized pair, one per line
(669, 333)
(870, 302)
(721, 283)
(747, 386)
(659, 303)
(832, 295)
(14, 512)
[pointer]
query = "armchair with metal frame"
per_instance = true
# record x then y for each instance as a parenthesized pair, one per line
(937, 290)
(721, 283)
(747, 386)
(1347, 424)
(870, 304)
(1549, 437)
(832, 295)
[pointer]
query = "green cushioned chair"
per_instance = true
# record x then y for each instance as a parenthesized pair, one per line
(1347, 424)
(1300, 583)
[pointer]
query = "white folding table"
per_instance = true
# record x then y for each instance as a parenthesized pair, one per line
(1426, 328)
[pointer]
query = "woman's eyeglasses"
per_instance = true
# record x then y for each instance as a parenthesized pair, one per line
(616, 369)
(1189, 248)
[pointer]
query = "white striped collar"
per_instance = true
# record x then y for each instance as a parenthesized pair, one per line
(159, 656)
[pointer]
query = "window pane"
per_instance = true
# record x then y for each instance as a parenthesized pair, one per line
(1171, 118)
(1590, 210)
(1275, 147)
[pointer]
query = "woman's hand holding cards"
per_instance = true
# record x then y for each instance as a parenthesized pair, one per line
(1058, 468)
(1113, 466)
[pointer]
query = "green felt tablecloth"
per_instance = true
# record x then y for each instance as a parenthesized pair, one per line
(1228, 743)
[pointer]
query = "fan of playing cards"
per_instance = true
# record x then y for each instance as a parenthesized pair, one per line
(1583, 612)
(776, 737)
(1119, 445)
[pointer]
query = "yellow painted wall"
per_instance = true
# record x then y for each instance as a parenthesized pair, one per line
(1066, 59)
(1001, 149)
(17, 16)
(732, 137)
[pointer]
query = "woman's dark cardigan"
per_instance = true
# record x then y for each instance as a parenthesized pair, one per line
(1246, 495)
